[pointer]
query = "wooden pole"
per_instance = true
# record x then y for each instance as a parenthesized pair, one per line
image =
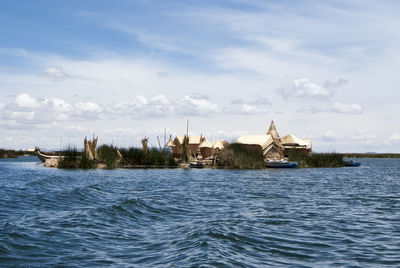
(165, 137)
(159, 144)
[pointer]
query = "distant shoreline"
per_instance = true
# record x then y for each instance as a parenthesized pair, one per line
(370, 155)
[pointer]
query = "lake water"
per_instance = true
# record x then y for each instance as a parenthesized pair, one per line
(209, 218)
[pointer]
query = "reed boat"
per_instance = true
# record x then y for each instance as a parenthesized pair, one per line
(44, 157)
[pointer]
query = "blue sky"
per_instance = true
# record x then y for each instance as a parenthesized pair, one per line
(124, 69)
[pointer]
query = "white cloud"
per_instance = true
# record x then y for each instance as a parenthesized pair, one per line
(329, 136)
(58, 105)
(26, 101)
(1, 106)
(23, 115)
(87, 107)
(197, 105)
(304, 88)
(347, 108)
(337, 83)
(395, 137)
(54, 72)
(143, 107)
(337, 107)
(260, 105)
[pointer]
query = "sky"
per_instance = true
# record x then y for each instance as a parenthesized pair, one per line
(325, 70)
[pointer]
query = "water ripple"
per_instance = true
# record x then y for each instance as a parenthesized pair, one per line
(207, 218)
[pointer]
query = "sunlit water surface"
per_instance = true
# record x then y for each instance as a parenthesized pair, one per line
(210, 218)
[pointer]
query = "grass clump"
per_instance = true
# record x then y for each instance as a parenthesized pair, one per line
(153, 157)
(237, 157)
(70, 158)
(315, 160)
(108, 154)
(8, 153)
(73, 158)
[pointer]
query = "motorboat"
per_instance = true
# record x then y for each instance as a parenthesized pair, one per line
(351, 163)
(280, 164)
(196, 164)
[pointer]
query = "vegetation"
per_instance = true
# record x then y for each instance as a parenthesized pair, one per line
(72, 159)
(108, 154)
(186, 153)
(317, 159)
(136, 157)
(8, 153)
(5, 153)
(112, 158)
(237, 157)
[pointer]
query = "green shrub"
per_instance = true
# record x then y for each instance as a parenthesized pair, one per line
(236, 156)
(85, 163)
(317, 159)
(154, 157)
(71, 157)
(8, 153)
(108, 155)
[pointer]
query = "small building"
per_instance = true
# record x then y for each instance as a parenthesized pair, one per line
(265, 144)
(291, 142)
(208, 149)
(194, 143)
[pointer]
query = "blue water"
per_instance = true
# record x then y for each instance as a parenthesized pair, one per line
(209, 218)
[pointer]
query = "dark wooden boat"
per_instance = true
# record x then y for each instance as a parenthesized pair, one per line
(196, 164)
(280, 164)
(351, 163)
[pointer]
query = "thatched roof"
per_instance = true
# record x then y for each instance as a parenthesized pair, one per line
(219, 144)
(170, 143)
(272, 131)
(206, 144)
(192, 139)
(261, 140)
(291, 139)
(295, 141)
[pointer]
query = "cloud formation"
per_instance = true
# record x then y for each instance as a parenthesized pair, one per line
(258, 106)
(27, 109)
(333, 84)
(395, 137)
(25, 101)
(304, 88)
(54, 72)
(337, 107)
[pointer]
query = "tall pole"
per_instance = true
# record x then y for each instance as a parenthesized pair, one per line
(187, 128)
(159, 145)
(165, 137)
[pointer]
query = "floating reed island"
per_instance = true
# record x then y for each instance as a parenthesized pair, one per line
(247, 152)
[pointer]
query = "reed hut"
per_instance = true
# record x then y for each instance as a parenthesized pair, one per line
(194, 143)
(264, 144)
(291, 142)
(206, 149)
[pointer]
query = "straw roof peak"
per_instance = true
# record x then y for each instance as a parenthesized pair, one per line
(272, 131)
